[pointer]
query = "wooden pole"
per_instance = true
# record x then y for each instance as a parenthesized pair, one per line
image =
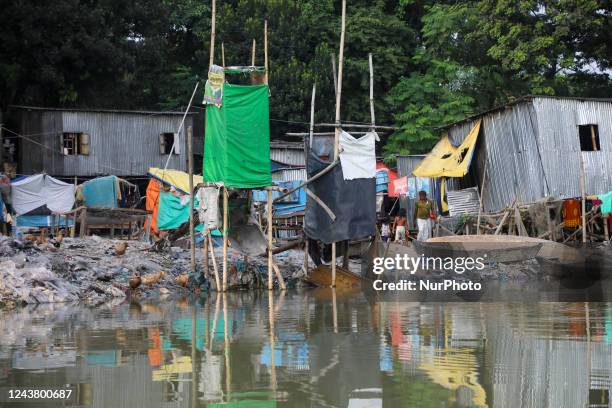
(226, 347)
(593, 139)
(484, 178)
(306, 256)
(266, 49)
(337, 132)
(212, 33)
(191, 198)
(225, 231)
(253, 53)
(205, 253)
(583, 194)
(335, 74)
(372, 116)
(272, 342)
(214, 262)
(312, 108)
(223, 55)
(270, 267)
(279, 276)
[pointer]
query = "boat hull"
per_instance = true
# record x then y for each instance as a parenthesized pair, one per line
(490, 251)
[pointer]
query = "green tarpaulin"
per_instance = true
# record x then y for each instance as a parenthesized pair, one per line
(237, 142)
(173, 212)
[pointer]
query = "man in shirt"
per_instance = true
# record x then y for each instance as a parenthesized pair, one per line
(423, 210)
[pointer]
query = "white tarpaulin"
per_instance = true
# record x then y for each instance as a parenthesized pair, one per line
(358, 156)
(35, 191)
(208, 211)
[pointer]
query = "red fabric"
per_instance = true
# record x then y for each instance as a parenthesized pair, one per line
(152, 203)
(400, 186)
(391, 176)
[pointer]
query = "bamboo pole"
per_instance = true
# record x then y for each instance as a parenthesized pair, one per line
(270, 267)
(312, 108)
(482, 186)
(215, 318)
(178, 132)
(212, 33)
(306, 256)
(225, 230)
(334, 73)
(272, 343)
(266, 49)
(583, 194)
(226, 347)
(223, 55)
(372, 116)
(214, 262)
(593, 139)
(191, 198)
(337, 131)
(205, 253)
(253, 53)
(279, 276)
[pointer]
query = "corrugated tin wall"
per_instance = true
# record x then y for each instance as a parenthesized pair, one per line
(558, 121)
(287, 155)
(123, 143)
(407, 163)
(531, 150)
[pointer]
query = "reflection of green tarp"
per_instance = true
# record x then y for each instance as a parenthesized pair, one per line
(172, 213)
(237, 143)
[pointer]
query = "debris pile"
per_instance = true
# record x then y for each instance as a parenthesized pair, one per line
(95, 270)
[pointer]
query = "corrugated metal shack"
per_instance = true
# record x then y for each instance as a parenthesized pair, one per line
(531, 148)
(76, 142)
(289, 159)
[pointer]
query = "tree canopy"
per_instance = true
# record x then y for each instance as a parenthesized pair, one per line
(435, 61)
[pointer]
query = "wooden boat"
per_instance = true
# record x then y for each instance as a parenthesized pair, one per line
(321, 276)
(494, 248)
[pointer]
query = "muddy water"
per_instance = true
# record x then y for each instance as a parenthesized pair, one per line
(309, 349)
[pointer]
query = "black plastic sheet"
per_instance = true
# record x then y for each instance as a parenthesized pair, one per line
(352, 201)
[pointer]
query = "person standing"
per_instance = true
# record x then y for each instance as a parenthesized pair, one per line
(423, 213)
(385, 230)
(399, 226)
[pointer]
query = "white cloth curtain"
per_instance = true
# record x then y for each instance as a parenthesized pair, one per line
(358, 156)
(40, 189)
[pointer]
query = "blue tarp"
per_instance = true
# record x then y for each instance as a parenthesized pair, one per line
(293, 203)
(382, 179)
(101, 192)
(35, 221)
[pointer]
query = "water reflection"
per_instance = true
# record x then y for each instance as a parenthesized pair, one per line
(316, 348)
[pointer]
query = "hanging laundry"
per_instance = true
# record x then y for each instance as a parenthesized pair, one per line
(571, 213)
(358, 156)
(208, 209)
(606, 202)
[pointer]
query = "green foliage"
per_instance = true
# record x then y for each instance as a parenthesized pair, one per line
(434, 61)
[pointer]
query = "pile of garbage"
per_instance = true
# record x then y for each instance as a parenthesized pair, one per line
(96, 269)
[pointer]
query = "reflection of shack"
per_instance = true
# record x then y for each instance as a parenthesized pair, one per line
(107, 203)
(554, 373)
